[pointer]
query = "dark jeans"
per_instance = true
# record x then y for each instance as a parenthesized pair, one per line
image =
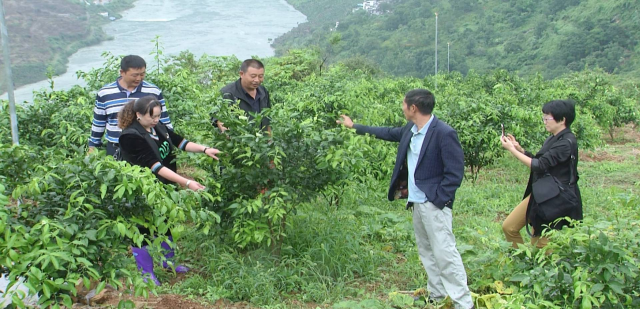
(111, 148)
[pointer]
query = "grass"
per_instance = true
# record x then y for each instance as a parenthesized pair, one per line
(356, 254)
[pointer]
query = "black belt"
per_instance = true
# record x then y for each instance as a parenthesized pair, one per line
(409, 205)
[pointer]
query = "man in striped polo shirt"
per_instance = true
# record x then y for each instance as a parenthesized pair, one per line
(112, 97)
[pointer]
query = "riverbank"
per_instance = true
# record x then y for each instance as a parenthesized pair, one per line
(199, 26)
(43, 34)
(321, 16)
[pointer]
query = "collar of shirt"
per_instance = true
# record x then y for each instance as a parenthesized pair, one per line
(424, 129)
(122, 89)
(258, 94)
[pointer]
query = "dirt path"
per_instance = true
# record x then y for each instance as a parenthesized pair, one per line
(111, 298)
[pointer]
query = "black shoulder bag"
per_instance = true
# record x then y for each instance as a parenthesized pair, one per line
(118, 155)
(554, 199)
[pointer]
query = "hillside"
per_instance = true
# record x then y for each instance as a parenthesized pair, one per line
(299, 218)
(44, 33)
(549, 36)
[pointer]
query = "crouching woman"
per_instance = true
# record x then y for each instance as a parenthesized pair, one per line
(558, 157)
(146, 142)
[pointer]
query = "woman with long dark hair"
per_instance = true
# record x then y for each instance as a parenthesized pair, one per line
(554, 158)
(146, 142)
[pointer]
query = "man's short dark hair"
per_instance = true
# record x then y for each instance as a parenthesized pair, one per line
(251, 63)
(132, 62)
(423, 99)
(560, 109)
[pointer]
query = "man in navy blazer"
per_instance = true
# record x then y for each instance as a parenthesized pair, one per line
(429, 169)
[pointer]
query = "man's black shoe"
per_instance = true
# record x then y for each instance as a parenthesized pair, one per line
(428, 300)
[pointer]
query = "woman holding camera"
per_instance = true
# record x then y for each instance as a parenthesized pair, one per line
(146, 142)
(554, 158)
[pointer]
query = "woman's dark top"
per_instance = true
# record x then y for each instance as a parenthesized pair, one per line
(150, 150)
(555, 158)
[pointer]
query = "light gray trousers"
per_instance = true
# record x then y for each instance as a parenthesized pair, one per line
(439, 255)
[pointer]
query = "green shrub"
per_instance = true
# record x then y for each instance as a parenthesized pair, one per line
(77, 218)
(592, 265)
(264, 177)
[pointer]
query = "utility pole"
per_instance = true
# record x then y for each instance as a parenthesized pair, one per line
(9, 77)
(448, 57)
(436, 62)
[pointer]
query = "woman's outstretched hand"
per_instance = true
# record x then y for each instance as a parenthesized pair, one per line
(212, 152)
(195, 186)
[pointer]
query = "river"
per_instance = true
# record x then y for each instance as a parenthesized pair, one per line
(213, 27)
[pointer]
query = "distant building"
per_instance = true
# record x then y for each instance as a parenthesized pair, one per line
(371, 6)
(336, 27)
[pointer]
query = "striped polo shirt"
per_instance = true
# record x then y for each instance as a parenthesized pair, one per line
(110, 100)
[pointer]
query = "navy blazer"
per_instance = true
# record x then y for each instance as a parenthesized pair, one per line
(440, 167)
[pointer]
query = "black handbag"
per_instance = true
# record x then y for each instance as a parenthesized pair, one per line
(554, 199)
(118, 155)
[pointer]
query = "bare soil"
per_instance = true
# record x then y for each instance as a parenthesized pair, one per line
(164, 301)
(110, 298)
(626, 142)
(627, 134)
(599, 156)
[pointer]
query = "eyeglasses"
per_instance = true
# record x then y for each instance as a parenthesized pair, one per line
(547, 119)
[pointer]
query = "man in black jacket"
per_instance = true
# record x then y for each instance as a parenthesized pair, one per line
(248, 92)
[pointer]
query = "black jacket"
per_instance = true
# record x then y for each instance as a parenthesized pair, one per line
(146, 153)
(234, 92)
(555, 158)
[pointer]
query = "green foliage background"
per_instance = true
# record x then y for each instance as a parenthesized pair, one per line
(301, 216)
(549, 37)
